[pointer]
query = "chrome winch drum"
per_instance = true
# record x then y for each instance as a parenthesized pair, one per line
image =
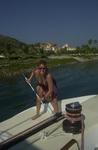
(72, 123)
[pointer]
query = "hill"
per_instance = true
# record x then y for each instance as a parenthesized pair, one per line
(13, 48)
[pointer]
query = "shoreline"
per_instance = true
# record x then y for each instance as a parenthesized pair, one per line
(15, 67)
(77, 58)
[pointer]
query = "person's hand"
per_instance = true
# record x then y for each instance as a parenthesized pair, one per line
(47, 98)
(28, 80)
(44, 100)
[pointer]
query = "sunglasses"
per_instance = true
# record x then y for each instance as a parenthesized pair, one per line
(42, 68)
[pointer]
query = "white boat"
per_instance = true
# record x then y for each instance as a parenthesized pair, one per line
(47, 133)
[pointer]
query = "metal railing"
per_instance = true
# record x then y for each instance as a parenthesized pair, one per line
(70, 144)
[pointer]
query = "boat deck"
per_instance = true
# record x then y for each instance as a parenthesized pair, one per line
(53, 137)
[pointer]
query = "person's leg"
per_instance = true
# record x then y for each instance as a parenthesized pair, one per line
(38, 105)
(38, 102)
(54, 104)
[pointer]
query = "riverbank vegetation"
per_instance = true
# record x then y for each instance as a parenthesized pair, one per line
(16, 56)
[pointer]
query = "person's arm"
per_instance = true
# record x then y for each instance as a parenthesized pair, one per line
(50, 86)
(31, 76)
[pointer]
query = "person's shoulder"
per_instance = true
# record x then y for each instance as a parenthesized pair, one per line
(49, 75)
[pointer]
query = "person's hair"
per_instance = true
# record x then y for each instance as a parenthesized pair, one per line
(41, 62)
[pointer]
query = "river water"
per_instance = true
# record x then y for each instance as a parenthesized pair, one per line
(73, 80)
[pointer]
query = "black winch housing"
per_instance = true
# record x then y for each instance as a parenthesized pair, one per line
(72, 123)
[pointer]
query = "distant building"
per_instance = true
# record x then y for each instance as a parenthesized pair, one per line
(65, 46)
(68, 48)
(48, 46)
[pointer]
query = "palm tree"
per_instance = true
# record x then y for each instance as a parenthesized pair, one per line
(95, 42)
(90, 41)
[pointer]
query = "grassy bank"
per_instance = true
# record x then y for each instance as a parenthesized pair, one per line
(12, 67)
(9, 68)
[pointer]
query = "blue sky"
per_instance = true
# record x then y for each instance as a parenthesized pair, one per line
(58, 21)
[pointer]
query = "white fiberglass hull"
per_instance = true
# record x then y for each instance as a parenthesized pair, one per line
(56, 138)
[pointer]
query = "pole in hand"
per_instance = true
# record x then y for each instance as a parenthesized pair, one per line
(34, 91)
(31, 86)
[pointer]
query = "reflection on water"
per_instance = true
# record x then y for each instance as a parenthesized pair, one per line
(73, 80)
(8, 72)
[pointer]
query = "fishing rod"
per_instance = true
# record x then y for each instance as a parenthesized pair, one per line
(35, 92)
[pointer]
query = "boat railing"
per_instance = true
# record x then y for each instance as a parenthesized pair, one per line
(70, 144)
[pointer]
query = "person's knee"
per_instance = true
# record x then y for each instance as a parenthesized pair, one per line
(38, 88)
(52, 100)
(39, 91)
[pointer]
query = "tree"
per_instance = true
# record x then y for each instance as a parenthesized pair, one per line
(90, 41)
